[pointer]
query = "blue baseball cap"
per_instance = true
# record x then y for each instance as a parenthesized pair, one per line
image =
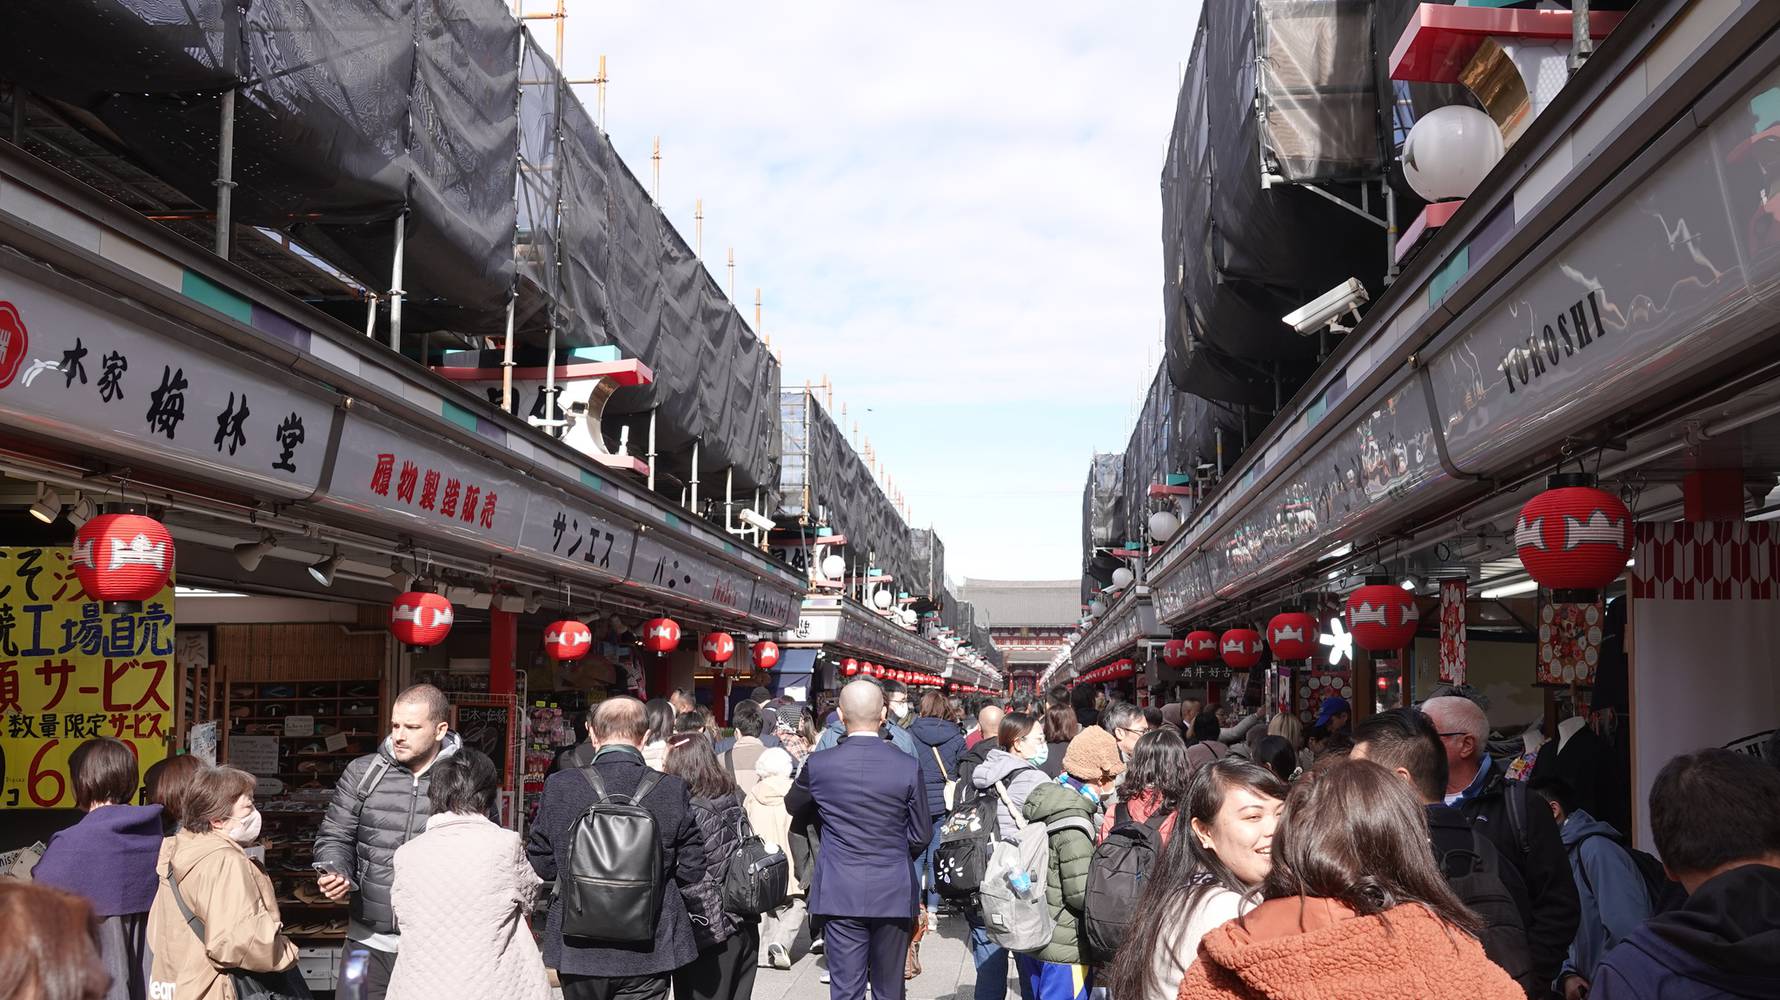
(1332, 706)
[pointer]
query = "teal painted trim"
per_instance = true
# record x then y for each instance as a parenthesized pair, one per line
(673, 520)
(1178, 479)
(824, 532)
(457, 414)
(608, 352)
(200, 289)
(1449, 275)
(592, 481)
(728, 547)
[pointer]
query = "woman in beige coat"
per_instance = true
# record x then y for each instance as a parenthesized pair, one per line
(462, 892)
(226, 892)
(767, 815)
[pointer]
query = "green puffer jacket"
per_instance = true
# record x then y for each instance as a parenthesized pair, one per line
(1066, 885)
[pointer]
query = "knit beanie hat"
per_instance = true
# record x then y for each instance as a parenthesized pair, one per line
(1093, 757)
(774, 760)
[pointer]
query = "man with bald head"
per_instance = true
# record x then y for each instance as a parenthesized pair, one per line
(1526, 837)
(591, 969)
(873, 810)
(988, 724)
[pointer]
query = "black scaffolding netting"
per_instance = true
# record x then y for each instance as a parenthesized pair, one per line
(1238, 255)
(928, 555)
(841, 493)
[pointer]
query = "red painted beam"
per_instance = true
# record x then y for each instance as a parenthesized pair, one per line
(1439, 41)
(625, 373)
(1425, 225)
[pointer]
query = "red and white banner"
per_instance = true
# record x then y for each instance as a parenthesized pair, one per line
(1705, 561)
(1569, 643)
(1452, 631)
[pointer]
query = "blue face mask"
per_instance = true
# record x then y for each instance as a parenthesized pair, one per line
(1038, 759)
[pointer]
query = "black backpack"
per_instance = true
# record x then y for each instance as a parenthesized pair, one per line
(1476, 877)
(759, 876)
(611, 890)
(1116, 877)
(965, 840)
(1665, 893)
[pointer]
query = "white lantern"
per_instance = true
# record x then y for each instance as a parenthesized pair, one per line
(834, 567)
(881, 600)
(1096, 608)
(1122, 577)
(1449, 151)
(1163, 525)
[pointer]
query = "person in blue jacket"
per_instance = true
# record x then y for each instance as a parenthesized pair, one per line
(1713, 817)
(1614, 899)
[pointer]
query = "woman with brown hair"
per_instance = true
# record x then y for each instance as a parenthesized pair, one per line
(166, 782)
(215, 914)
(1354, 906)
(728, 944)
(109, 859)
(1060, 726)
(52, 945)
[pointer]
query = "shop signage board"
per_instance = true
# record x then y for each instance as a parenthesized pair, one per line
(69, 673)
(673, 570)
(876, 638)
(1132, 618)
(254, 754)
(775, 605)
(423, 484)
(572, 534)
(77, 373)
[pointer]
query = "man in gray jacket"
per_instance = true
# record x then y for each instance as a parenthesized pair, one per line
(379, 804)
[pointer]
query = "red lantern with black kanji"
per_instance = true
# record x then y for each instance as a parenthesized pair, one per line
(717, 647)
(766, 654)
(849, 666)
(567, 640)
(1174, 653)
(122, 560)
(1202, 646)
(1575, 536)
(661, 635)
(1241, 648)
(1382, 617)
(419, 620)
(1292, 636)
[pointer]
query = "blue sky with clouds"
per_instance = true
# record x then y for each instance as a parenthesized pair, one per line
(952, 209)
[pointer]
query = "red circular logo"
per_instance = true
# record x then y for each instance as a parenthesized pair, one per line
(12, 342)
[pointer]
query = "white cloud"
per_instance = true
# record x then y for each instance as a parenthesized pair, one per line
(952, 209)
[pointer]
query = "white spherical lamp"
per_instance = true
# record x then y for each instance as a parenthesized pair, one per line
(881, 600)
(1122, 577)
(1163, 525)
(1096, 608)
(1449, 151)
(834, 567)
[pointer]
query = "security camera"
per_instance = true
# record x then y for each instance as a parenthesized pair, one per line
(1325, 310)
(755, 520)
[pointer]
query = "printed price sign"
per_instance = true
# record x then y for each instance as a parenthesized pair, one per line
(69, 673)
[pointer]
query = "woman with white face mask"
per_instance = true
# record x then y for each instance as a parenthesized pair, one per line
(215, 911)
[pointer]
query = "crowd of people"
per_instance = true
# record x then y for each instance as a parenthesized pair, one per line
(1177, 852)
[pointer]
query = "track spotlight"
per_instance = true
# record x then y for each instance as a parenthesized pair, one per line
(249, 554)
(323, 571)
(82, 511)
(48, 505)
(399, 577)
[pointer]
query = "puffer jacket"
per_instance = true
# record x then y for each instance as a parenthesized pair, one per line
(1019, 777)
(940, 743)
(378, 806)
(722, 823)
(235, 902)
(1066, 884)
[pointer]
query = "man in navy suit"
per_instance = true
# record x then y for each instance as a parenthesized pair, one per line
(873, 809)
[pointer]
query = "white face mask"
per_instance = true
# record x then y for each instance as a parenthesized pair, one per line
(245, 831)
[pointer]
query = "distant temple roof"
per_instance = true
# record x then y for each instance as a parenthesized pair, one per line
(1013, 603)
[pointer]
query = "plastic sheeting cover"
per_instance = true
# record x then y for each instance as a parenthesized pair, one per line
(928, 554)
(1320, 119)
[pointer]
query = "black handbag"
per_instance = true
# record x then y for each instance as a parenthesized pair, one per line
(759, 877)
(286, 985)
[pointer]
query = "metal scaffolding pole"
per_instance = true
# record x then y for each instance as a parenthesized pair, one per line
(225, 169)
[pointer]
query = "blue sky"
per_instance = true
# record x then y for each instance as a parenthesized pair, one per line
(952, 210)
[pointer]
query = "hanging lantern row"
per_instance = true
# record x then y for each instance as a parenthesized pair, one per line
(123, 560)
(1110, 672)
(1574, 538)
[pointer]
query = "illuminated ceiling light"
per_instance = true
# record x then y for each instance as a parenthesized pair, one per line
(323, 571)
(1509, 590)
(48, 505)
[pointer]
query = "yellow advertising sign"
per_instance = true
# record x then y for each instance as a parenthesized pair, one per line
(69, 672)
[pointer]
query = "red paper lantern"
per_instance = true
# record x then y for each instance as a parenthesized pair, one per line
(1174, 653)
(1202, 646)
(123, 560)
(1292, 636)
(849, 666)
(661, 635)
(878, 670)
(419, 620)
(1574, 536)
(1382, 617)
(1241, 648)
(567, 640)
(766, 654)
(717, 647)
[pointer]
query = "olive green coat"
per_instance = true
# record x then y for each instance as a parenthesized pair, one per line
(1066, 885)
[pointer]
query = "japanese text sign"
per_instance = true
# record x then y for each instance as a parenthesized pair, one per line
(69, 673)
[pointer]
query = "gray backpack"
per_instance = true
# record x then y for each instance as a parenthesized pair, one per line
(1015, 912)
